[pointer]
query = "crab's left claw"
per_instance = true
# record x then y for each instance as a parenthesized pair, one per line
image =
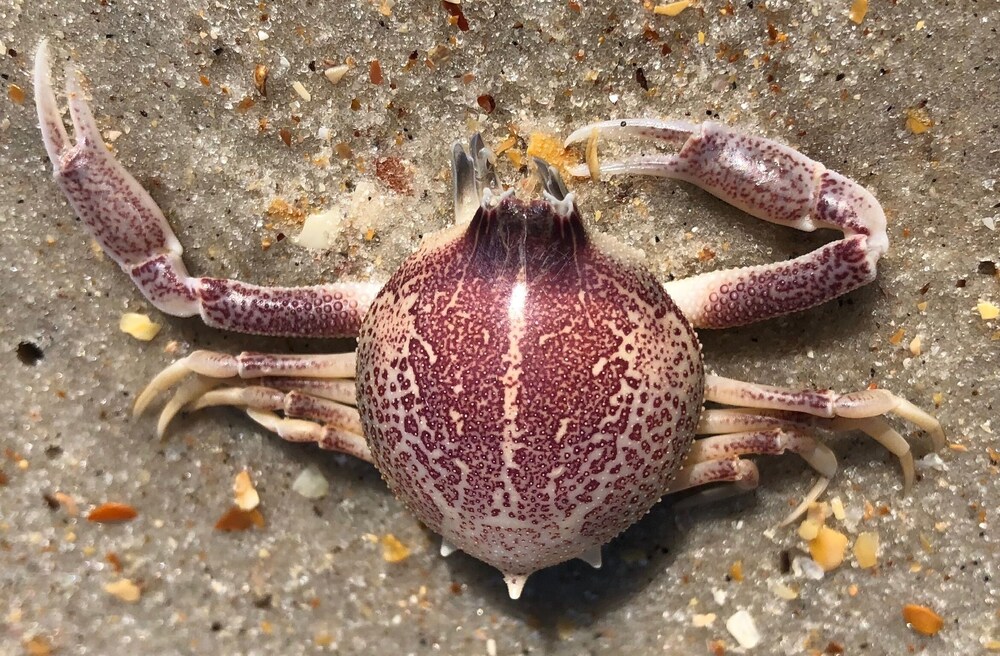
(53, 132)
(124, 219)
(473, 172)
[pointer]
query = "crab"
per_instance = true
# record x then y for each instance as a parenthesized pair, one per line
(525, 386)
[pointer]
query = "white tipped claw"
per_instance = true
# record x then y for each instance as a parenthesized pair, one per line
(49, 120)
(924, 420)
(85, 129)
(676, 132)
(815, 493)
(163, 381)
(190, 391)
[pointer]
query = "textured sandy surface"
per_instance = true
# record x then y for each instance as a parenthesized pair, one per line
(171, 76)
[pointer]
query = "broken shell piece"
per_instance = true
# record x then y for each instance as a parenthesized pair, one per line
(112, 512)
(336, 73)
(922, 619)
(138, 325)
(394, 551)
(245, 494)
(828, 548)
(672, 8)
(807, 568)
(301, 90)
(124, 589)
(866, 549)
(783, 591)
(311, 483)
(859, 8)
(703, 620)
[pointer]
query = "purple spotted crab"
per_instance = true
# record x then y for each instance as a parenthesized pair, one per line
(523, 384)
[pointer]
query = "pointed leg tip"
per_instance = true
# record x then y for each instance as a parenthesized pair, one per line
(822, 459)
(592, 557)
(909, 473)
(515, 584)
(42, 55)
(163, 422)
(142, 402)
(814, 493)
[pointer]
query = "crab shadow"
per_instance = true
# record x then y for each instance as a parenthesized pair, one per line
(573, 592)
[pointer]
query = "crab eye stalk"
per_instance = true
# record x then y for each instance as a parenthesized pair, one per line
(535, 239)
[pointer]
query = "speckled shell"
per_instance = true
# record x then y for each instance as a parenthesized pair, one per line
(526, 389)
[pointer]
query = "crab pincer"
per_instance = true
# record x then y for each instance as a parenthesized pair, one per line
(770, 181)
(133, 232)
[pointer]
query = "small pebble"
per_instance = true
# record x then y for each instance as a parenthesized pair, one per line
(311, 483)
(302, 91)
(807, 568)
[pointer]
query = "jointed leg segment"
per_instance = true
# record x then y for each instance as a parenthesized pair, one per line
(316, 397)
(772, 182)
(132, 230)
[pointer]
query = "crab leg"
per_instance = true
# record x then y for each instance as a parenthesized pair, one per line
(766, 442)
(325, 437)
(726, 470)
(717, 459)
(223, 366)
(316, 399)
(294, 404)
(771, 182)
(854, 411)
(133, 232)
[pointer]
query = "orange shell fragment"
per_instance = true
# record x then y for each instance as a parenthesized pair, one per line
(236, 519)
(550, 149)
(922, 619)
(113, 512)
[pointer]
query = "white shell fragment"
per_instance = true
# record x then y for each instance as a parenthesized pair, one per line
(702, 621)
(807, 568)
(311, 483)
(743, 628)
(320, 230)
(336, 73)
(301, 90)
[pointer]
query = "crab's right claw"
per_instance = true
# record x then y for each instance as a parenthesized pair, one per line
(675, 133)
(116, 210)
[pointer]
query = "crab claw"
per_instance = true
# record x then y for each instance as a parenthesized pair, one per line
(88, 174)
